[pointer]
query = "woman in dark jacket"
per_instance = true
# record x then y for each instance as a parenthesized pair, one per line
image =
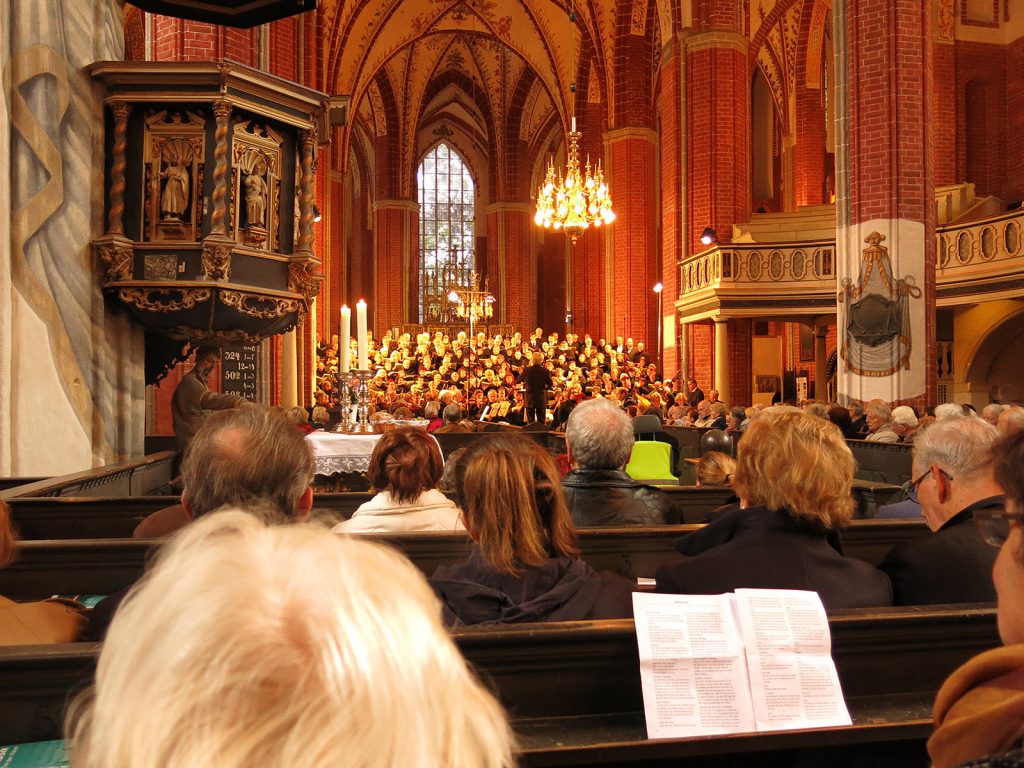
(793, 477)
(525, 565)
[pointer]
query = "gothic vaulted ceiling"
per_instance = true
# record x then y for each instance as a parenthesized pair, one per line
(499, 70)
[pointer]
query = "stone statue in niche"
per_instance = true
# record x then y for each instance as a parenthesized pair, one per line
(255, 200)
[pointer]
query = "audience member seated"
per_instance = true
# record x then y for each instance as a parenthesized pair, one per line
(248, 645)
(904, 423)
(841, 418)
(300, 419)
(908, 507)
(252, 457)
(432, 413)
(405, 466)
(953, 479)
(1011, 421)
(525, 565)
(720, 414)
(714, 468)
(948, 411)
(453, 422)
(879, 421)
(793, 477)
(599, 439)
(991, 412)
(321, 418)
(48, 621)
(979, 710)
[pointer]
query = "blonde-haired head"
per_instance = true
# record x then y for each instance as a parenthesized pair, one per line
(792, 460)
(280, 647)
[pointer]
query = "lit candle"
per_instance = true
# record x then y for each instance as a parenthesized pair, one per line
(364, 362)
(344, 338)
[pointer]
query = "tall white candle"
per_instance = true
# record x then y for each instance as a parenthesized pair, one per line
(345, 338)
(364, 360)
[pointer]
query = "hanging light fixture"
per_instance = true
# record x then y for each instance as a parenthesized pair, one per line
(579, 199)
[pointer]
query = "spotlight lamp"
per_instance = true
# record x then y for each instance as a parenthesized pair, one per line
(708, 236)
(316, 214)
(658, 288)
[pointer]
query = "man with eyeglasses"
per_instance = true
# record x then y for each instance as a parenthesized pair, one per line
(953, 480)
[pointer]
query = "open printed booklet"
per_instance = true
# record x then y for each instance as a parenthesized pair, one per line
(753, 660)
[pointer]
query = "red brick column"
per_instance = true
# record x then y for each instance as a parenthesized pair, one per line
(1014, 154)
(514, 281)
(944, 97)
(673, 235)
(395, 263)
(885, 189)
(718, 134)
(632, 246)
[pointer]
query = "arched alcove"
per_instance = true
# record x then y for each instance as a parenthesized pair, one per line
(997, 364)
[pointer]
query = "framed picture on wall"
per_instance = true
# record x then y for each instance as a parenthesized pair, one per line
(806, 343)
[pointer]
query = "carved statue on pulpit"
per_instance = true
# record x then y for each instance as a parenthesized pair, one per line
(174, 200)
(255, 200)
(176, 160)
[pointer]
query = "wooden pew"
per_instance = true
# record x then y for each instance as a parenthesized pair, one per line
(7, 483)
(575, 696)
(101, 566)
(553, 442)
(70, 517)
(48, 517)
(573, 692)
(882, 462)
(136, 477)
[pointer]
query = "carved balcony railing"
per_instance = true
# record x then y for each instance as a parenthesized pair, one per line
(982, 259)
(976, 261)
(759, 279)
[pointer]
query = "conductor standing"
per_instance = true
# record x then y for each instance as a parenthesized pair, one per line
(537, 381)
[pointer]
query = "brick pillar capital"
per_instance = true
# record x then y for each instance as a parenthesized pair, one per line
(717, 39)
(396, 204)
(630, 132)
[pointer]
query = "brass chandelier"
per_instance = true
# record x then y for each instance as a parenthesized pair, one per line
(577, 200)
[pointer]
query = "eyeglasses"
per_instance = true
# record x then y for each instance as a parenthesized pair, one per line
(994, 525)
(913, 484)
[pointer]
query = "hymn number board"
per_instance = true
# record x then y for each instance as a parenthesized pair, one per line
(240, 371)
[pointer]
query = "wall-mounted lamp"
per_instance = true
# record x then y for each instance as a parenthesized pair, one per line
(708, 236)
(316, 214)
(658, 288)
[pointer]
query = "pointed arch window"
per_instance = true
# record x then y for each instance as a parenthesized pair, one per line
(447, 196)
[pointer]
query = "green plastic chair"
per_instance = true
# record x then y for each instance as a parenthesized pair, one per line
(651, 461)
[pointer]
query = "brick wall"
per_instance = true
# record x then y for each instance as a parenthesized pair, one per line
(887, 67)
(740, 382)
(633, 303)
(671, 202)
(134, 35)
(550, 289)
(587, 265)
(1014, 154)
(718, 164)
(702, 353)
(809, 152)
(185, 40)
(945, 129)
(387, 304)
(982, 116)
